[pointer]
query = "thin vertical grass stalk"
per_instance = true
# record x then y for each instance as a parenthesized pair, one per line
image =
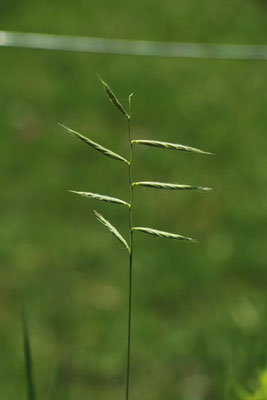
(130, 253)
(28, 359)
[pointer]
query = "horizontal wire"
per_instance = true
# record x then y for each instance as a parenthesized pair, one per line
(133, 47)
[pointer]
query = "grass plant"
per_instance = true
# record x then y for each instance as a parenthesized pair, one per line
(130, 204)
(28, 360)
(29, 378)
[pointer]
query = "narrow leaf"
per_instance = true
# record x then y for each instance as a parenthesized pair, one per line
(162, 234)
(96, 146)
(170, 186)
(167, 145)
(54, 385)
(112, 229)
(28, 360)
(113, 98)
(101, 197)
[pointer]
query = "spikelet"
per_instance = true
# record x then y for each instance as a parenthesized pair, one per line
(101, 197)
(96, 146)
(113, 98)
(167, 145)
(170, 186)
(112, 229)
(163, 234)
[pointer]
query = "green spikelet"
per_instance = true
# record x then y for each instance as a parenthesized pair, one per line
(170, 186)
(113, 98)
(167, 145)
(95, 145)
(162, 234)
(112, 229)
(101, 197)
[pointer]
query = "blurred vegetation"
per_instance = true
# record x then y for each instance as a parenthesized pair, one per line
(260, 392)
(199, 323)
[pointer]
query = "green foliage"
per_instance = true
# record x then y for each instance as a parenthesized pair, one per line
(260, 393)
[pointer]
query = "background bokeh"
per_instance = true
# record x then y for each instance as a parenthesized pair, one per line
(199, 321)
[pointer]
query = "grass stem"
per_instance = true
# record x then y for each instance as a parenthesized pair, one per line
(130, 254)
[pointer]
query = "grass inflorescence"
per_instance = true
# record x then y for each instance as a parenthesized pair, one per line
(130, 204)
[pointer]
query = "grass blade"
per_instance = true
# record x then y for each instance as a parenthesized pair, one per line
(167, 145)
(54, 385)
(163, 234)
(112, 229)
(171, 186)
(95, 146)
(113, 98)
(28, 360)
(101, 197)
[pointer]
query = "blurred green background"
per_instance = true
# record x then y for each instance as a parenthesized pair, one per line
(199, 311)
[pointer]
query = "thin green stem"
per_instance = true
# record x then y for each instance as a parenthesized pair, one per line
(130, 254)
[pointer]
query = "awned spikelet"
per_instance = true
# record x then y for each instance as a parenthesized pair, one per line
(167, 145)
(170, 186)
(101, 197)
(112, 229)
(162, 234)
(113, 98)
(95, 146)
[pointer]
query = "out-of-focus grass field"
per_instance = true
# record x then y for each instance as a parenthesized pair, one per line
(199, 322)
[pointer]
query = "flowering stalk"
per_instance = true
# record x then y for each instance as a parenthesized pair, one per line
(130, 204)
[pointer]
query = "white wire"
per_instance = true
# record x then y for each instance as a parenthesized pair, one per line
(133, 47)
